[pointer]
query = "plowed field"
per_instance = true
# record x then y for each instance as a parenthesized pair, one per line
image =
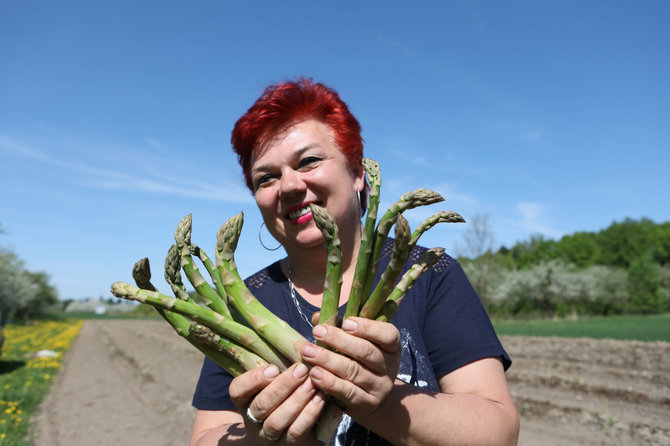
(130, 382)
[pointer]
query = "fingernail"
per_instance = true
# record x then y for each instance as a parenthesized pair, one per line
(309, 351)
(317, 398)
(349, 325)
(300, 371)
(307, 386)
(316, 374)
(271, 371)
(319, 331)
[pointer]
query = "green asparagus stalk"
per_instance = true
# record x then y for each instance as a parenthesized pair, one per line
(410, 200)
(277, 332)
(247, 359)
(389, 277)
(407, 281)
(439, 217)
(172, 275)
(211, 269)
(333, 281)
(212, 299)
(183, 326)
(215, 321)
(367, 239)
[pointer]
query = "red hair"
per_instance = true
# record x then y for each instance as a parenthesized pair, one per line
(286, 103)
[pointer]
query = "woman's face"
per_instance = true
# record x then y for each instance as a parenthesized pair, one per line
(299, 166)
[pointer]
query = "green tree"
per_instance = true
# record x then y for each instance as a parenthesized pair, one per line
(580, 249)
(42, 295)
(624, 242)
(644, 286)
(22, 293)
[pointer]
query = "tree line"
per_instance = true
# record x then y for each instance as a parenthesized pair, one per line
(622, 269)
(23, 293)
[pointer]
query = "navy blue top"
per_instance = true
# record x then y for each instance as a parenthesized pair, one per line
(442, 324)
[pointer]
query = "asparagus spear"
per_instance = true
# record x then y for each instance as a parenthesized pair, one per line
(407, 281)
(247, 359)
(211, 269)
(439, 217)
(172, 275)
(367, 239)
(182, 236)
(277, 332)
(183, 326)
(389, 277)
(217, 322)
(333, 281)
(410, 200)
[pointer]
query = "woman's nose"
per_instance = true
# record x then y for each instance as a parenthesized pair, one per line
(291, 182)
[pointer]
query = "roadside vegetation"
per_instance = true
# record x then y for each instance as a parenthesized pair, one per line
(623, 269)
(31, 359)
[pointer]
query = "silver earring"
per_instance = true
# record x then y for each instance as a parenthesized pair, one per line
(261, 240)
(358, 197)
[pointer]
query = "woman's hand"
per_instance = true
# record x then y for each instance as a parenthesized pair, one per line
(278, 408)
(361, 371)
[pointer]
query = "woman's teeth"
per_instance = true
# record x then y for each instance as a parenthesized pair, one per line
(299, 213)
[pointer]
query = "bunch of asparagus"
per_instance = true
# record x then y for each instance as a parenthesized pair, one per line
(236, 331)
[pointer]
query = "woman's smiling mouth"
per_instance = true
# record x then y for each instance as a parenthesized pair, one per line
(299, 214)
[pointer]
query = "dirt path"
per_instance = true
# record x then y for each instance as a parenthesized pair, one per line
(123, 382)
(131, 382)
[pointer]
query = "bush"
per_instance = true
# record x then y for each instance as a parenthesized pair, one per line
(554, 288)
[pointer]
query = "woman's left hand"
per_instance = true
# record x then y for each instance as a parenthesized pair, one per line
(361, 370)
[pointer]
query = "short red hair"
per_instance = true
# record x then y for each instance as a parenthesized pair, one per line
(286, 103)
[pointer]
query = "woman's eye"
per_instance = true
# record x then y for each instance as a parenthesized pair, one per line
(263, 180)
(309, 161)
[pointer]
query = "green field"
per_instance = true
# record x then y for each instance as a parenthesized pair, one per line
(641, 327)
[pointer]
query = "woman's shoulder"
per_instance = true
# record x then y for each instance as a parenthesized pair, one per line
(268, 276)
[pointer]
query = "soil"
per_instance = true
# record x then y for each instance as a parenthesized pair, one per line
(131, 382)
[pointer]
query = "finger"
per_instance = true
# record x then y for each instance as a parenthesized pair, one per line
(360, 349)
(243, 388)
(317, 314)
(349, 395)
(383, 334)
(279, 390)
(342, 366)
(305, 421)
(283, 416)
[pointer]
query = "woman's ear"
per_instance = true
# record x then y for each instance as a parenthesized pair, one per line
(359, 178)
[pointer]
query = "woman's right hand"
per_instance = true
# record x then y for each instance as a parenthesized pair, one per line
(286, 405)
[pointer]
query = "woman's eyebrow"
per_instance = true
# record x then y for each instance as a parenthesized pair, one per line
(296, 154)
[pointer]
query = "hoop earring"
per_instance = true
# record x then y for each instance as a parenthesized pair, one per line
(358, 197)
(261, 240)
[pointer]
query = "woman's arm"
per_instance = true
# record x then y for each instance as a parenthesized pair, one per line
(474, 407)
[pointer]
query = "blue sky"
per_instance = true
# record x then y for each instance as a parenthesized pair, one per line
(115, 117)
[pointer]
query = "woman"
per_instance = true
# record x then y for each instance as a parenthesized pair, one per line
(434, 376)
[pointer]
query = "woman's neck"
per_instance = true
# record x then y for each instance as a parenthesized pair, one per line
(307, 269)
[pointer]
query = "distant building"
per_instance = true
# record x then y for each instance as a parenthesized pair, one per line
(98, 306)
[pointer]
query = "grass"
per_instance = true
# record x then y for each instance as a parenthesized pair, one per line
(633, 327)
(25, 378)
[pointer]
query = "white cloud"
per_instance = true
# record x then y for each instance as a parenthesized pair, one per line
(531, 135)
(119, 174)
(532, 218)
